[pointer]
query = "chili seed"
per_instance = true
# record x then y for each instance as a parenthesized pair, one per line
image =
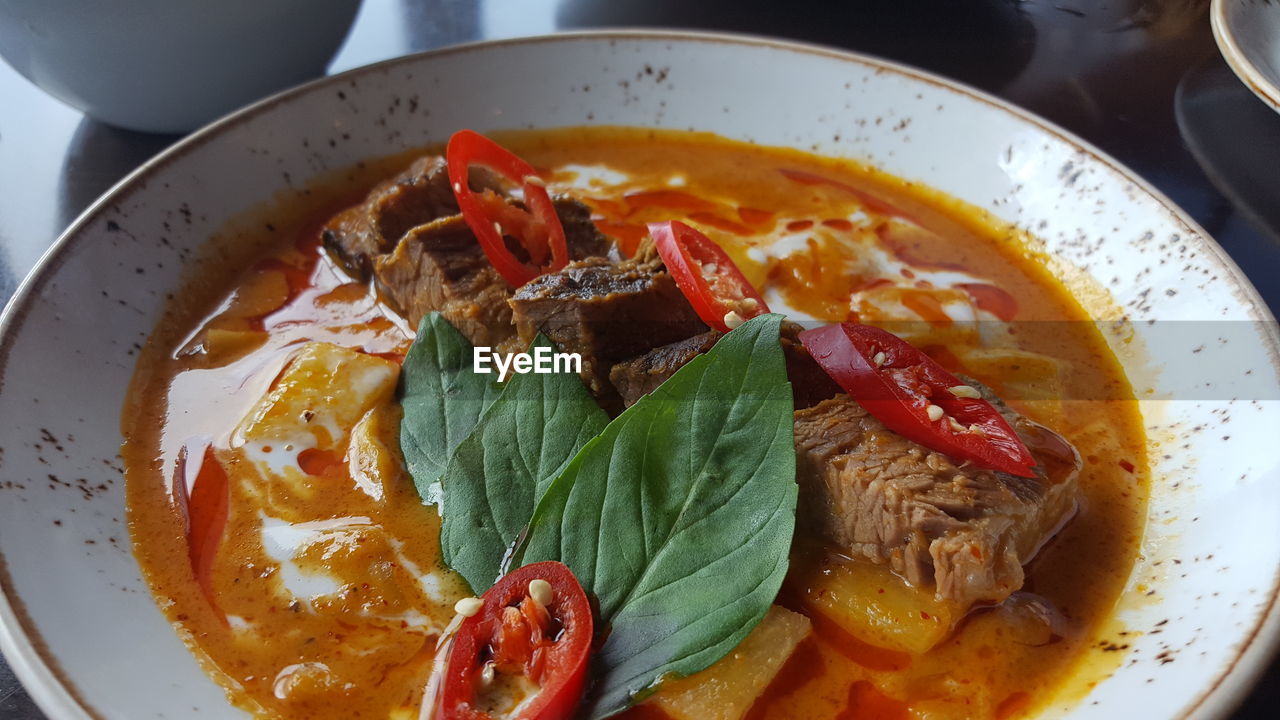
(541, 592)
(468, 606)
(934, 412)
(879, 359)
(732, 319)
(964, 391)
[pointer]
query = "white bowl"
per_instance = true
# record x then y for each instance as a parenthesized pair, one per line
(169, 65)
(79, 625)
(1248, 34)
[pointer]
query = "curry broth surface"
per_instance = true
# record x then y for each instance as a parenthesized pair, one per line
(364, 649)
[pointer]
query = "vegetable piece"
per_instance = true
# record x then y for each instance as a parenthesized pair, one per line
(713, 284)
(202, 493)
(679, 516)
(442, 397)
(374, 466)
(223, 347)
(727, 690)
(916, 398)
(879, 608)
(301, 425)
(501, 470)
(537, 231)
(514, 636)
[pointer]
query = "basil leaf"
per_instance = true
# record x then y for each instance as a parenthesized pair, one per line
(501, 470)
(679, 516)
(442, 397)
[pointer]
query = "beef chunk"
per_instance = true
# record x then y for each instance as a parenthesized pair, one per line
(584, 240)
(440, 267)
(415, 197)
(642, 375)
(607, 312)
(964, 531)
(639, 376)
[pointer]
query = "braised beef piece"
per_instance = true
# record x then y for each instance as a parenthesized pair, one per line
(642, 375)
(415, 197)
(639, 376)
(439, 266)
(580, 234)
(964, 531)
(607, 312)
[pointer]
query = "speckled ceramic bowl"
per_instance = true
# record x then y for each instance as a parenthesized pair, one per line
(1248, 34)
(1199, 616)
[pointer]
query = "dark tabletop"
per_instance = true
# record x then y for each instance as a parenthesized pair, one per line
(1142, 79)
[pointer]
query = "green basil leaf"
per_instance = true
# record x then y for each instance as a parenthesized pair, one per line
(442, 397)
(501, 470)
(679, 516)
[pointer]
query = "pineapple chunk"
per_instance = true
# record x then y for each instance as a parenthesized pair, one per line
(373, 458)
(727, 689)
(879, 608)
(224, 347)
(261, 294)
(320, 396)
(305, 420)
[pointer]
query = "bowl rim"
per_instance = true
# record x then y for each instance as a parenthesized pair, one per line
(56, 693)
(1244, 68)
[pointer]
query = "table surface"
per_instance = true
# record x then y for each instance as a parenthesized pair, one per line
(1142, 79)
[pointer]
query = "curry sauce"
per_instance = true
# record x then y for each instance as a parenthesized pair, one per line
(317, 590)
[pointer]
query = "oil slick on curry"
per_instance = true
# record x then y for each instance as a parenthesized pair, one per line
(820, 460)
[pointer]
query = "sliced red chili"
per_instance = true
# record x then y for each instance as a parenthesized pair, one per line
(204, 506)
(709, 279)
(916, 398)
(537, 231)
(515, 633)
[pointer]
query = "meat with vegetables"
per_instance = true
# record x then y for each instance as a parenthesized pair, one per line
(408, 233)
(963, 530)
(815, 523)
(438, 266)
